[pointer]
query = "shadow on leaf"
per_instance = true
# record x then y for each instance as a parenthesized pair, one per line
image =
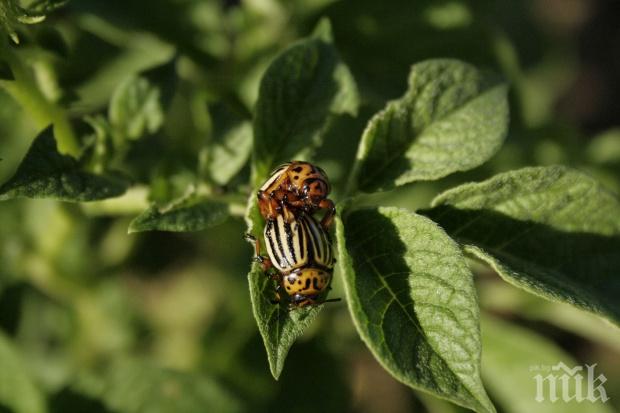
(578, 268)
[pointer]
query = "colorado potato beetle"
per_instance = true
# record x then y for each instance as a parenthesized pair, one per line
(301, 256)
(300, 186)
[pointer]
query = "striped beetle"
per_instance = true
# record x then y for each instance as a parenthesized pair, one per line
(299, 185)
(301, 254)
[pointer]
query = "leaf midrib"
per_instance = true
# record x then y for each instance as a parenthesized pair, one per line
(418, 327)
(293, 121)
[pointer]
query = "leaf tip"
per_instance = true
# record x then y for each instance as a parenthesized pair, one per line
(323, 30)
(275, 368)
(137, 225)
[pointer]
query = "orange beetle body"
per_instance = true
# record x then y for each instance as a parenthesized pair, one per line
(300, 186)
(300, 259)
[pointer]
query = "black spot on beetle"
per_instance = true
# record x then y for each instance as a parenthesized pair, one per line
(299, 282)
(315, 283)
(307, 284)
(298, 169)
(296, 177)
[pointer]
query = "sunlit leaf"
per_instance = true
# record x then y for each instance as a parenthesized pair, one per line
(301, 89)
(230, 153)
(413, 302)
(17, 390)
(135, 108)
(452, 118)
(552, 231)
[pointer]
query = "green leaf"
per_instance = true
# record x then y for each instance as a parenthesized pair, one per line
(452, 118)
(191, 214)
(45, 173)
(513, 357)
(552, 231)
(136, 386)
(278, 326)
(230, 153)
(17, 390)
(135, 108)
(604, 149)
(300, 91)
(46, 6)
(12, 14)
(413, 302)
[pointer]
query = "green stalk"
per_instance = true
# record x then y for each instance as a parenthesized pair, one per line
(44, 112)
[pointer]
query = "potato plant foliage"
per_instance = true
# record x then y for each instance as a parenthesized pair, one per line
(134, 138)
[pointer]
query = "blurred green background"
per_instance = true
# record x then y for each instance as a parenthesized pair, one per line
(102, 321)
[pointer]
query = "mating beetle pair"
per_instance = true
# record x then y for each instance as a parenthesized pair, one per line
(299, 248)
(300, 186)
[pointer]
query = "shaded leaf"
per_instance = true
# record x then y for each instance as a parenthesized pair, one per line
(300, 90)
(135, 386)
(191, 214)
(278, 326)
(46, 6)
(552, 231)
(6, 73)
(17, 390)
(135, 108)
(69, 400)
(412, 298)
(452, 118)
(51, 40)
(46, 173)
(512, 358)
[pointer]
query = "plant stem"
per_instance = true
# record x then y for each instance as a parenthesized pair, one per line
(44, 112)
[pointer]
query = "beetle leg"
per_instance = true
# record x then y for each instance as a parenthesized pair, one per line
(277, 298)
(265, 262)
(274, 208)
(296, 203)
(264, 202)
(328, 218)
